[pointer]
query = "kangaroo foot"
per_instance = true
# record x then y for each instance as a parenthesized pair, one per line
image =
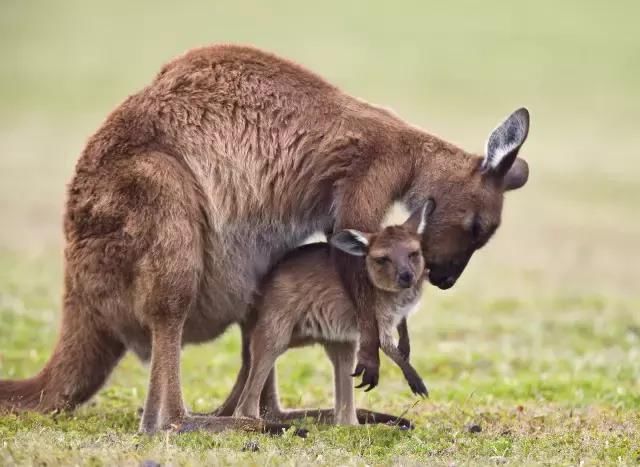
(327, 416)
(210, 424)
(366, 417)
(218, 424)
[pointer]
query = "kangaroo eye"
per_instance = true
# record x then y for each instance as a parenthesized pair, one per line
(414, 254)
(382, 260)
(476, 228)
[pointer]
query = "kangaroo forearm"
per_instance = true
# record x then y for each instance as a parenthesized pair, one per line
(369, 342)
(392, 351)
(353, 275)
(411, 375)
(362, 204)
(404, 344)
(362, 208)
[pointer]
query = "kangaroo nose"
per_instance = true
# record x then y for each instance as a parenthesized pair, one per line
(448, 282)
(405, 279)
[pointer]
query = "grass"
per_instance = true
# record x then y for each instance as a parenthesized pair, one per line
(539, 344)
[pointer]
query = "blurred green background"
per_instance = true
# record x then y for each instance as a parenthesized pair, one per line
(548, 313)
(455, 69)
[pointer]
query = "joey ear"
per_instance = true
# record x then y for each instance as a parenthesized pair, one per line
(417, 221)
(505, 142)
(351, 241)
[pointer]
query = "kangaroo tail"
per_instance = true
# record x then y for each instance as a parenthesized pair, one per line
(83, 358)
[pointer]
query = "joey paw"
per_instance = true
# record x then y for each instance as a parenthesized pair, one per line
(417, 386)
(370, 375)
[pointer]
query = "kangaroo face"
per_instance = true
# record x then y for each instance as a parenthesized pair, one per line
(469, 204)
(393, 256)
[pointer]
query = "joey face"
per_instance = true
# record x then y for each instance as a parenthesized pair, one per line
(393, 257)
(469, 201)
(394, 260)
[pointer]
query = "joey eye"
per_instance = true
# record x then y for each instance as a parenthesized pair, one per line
(381, 260)
(414, 254)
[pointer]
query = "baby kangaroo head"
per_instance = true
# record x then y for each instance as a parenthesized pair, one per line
(393, 256)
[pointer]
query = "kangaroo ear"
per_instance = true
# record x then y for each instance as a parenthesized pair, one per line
(517, 175)
(350, 241)
(417, 221)
(505, 142)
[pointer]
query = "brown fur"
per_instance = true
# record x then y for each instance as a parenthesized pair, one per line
(303, 301)
(193, 187)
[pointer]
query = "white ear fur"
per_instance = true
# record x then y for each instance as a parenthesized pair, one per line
(425, 212)
(423, 220)
(358, 236)
(506, 139)
(423, 223)
(417, 221)
(350, 241)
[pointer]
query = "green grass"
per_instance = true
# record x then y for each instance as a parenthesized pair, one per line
(539, 344)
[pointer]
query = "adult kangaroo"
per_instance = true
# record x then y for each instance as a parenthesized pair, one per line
(193, 187)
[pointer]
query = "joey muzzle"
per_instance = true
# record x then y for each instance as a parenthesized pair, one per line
(405, 279)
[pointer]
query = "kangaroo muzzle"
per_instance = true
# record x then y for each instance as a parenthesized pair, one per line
(444, 276)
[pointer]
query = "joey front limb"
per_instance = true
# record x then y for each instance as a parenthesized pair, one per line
(363, 207)
(353, 275)
(404, 344)
(411, 375)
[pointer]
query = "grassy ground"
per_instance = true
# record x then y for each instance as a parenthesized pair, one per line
(539, 344)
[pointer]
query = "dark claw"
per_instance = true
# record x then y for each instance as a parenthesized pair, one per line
(275, 429)
(401, 423)
(369, 376)
(424, 392)
(369, 381)
(417, 385)
(405, 424)
(366, 417)
(360, 368)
